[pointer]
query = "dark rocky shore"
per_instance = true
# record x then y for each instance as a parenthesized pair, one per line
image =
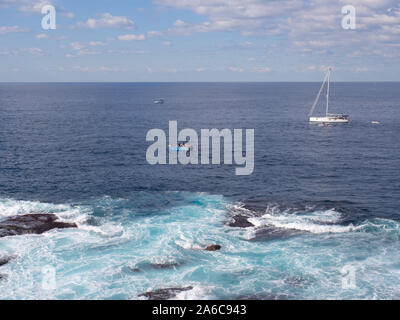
(239, 218)
(31, 224)
(164, 294)
(3, 261)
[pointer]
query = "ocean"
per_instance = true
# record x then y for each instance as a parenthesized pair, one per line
(321, 207)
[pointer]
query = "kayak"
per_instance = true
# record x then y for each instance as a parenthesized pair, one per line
(179, 149)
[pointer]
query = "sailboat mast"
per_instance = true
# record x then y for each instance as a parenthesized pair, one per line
(318, 96)
(327, 91)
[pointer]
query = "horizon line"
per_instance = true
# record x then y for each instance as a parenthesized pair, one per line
(283, 81)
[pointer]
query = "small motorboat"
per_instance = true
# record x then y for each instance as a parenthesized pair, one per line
(180, 147)
(159, 101)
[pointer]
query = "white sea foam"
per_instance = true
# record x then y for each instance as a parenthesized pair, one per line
(197, 293)
(96, 261)
(321, 221)
(10, 207)
(64, 212)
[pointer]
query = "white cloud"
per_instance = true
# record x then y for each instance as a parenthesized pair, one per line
(262, 69)
(172, 70)
(231, 14)
(179, 23)
(234, 8)
(110, 69)
(81, 69)
(154, 33)
(12, 29)
(360, 69)
(22, 51)
(83, 52)
(106, 20)
(33, 51)
(35, 6)
(308, 68)
(41, 36)
(87, 52)
(32, 6)
(69, 15)
(166, 43)
(235, 69)
(77, 45)
(132, 37)
(97, 44)
(313, 23)
(86, 69)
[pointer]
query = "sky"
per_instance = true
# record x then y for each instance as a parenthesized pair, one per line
(199, 40)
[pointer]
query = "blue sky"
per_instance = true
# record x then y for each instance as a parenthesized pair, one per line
(199, 40)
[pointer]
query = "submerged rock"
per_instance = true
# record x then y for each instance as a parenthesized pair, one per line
(164, 294)
(265, 232)
(5, 260)
(298, 281)
(214, 247)
(240, 221)
(269, 232)
(31, 224)
(2, 276)
(172, 265)
(146, 266)
(264, 296)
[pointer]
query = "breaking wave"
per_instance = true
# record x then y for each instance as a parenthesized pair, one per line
(124, 247)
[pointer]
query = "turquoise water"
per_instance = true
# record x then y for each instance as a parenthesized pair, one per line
(115, 236)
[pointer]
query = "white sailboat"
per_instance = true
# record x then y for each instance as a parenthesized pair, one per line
(329, 117)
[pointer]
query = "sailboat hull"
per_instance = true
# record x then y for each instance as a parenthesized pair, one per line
(335, 119)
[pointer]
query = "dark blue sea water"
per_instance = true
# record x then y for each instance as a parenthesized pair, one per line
(320, 199)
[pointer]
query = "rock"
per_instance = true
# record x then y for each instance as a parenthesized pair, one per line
(147, 266)
(2, 276)
(269, 232)
(214, 247)
(240, 221)
(164, 294)
(31, 224)
(5, 260)
(172, 265)
(298, 281)
(264, 296)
